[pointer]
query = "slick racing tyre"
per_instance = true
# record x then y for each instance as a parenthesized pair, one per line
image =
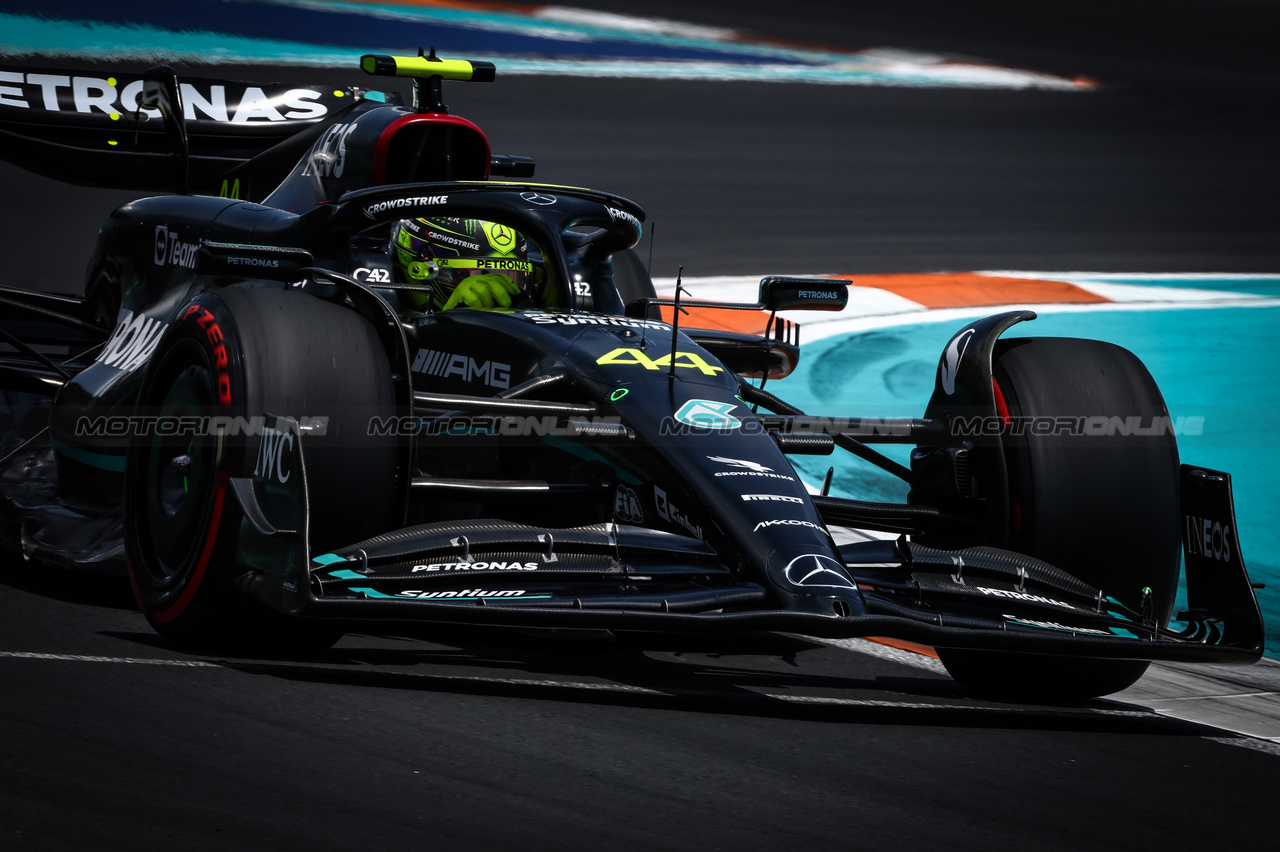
(1100, 503)
(246, 352)
(633, 281)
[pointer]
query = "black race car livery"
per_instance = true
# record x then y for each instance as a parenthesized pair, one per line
(259, 418)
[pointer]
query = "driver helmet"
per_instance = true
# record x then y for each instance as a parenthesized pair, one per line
(441, 251)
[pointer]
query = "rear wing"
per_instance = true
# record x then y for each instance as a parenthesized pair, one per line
(91, 128)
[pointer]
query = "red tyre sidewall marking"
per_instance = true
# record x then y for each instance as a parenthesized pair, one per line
(1002, 407)
(206, 553)
(208, 324)
(1002, 411)
(133, 581)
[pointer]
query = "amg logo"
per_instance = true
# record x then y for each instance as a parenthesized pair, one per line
(252, 261)
(132, 341)
(477, 566)
(776, 498)
(274, 455)
(398, 203)
(172, 251)
(1021, 596)
(495, 374)
(1207, 538)
(465, 593)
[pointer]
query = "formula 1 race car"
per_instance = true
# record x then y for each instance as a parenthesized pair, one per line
(255, 413)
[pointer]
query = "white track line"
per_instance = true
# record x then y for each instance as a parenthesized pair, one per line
(1118, 709)
(85, 658)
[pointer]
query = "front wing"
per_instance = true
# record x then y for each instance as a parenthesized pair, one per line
(618, 577)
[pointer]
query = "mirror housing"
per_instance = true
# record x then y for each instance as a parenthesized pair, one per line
(243, 261)
(810, 294)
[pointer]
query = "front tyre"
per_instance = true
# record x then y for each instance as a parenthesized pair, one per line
(1100, 503)
(242, 353)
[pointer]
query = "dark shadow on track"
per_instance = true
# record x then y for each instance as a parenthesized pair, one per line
(61, 584)
(726, 676)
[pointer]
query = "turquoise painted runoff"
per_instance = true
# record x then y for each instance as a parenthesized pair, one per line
(532, 40)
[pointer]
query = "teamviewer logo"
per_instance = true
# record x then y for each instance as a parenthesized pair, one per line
(162, 244)
(171, 250)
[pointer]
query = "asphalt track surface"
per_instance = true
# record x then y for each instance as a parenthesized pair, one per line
(111, 740)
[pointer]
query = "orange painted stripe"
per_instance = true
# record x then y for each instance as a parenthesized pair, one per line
(746, 322)
(929, 290)
(967, 290)
(903, 645)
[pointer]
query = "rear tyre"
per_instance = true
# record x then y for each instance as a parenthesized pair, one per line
(1103, 507)
(246, 352)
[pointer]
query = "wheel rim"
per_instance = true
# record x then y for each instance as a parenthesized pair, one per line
(178, 472)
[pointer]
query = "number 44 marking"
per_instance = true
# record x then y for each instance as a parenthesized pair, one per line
(683, 359)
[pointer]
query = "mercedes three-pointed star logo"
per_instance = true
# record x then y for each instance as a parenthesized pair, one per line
(815, 570)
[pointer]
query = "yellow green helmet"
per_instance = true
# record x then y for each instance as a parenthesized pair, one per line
(441, 251)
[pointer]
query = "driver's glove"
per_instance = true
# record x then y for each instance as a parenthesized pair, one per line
(483, 292)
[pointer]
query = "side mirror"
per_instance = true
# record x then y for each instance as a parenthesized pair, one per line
(809, 294)
(269, 262)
